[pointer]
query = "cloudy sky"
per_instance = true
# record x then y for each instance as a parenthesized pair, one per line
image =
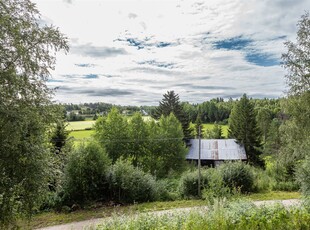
(132, 52)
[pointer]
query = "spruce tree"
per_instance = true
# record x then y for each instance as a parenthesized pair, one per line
(171, 104)
(243, 127)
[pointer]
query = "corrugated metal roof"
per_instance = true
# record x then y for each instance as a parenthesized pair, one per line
(216, 149)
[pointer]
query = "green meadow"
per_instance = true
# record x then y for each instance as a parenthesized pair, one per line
(84, 129)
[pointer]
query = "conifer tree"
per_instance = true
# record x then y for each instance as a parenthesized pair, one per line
(243, 127)
(171, 104)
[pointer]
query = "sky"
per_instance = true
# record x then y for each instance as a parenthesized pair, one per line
(132, 52)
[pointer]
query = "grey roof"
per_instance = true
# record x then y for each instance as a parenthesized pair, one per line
(216, 149)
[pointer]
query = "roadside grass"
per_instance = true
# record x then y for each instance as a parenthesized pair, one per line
(52, 218)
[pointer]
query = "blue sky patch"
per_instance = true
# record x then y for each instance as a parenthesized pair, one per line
(168, 65)
(261, 59)
(91, 76)
(163, 44)
(55, 80)
(236, 43)
(84, 65)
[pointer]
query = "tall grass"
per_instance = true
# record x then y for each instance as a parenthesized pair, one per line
(222, 215)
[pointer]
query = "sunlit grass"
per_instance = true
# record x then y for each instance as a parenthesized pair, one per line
(52, 218)
(82, 134)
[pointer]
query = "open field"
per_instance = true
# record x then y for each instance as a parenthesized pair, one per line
(82, 134)
(80, 125)
(78, 131)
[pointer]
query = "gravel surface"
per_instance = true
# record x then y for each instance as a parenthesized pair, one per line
(90, 224)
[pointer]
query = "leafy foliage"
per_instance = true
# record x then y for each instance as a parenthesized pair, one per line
(215, 133)
(27, 54)
(85, 177)
(112, 134)
(237, 175)
(296, 130)
(129, 184)
(188, 187)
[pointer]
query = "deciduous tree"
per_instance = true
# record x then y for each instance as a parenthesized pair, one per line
(27, 54)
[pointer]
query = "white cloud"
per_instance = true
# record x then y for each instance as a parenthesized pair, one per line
(181, 34)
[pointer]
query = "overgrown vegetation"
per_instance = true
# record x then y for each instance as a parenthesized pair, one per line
(221, 215)
(136, 160)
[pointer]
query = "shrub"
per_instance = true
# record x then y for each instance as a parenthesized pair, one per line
(237, 175)
(85, 174)
(216, 187)
(129, 184)
(262, 181)
(188, 187)
(167, 189)
(303, 176)
(286, 186)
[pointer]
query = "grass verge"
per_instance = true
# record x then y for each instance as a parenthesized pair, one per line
(52, 218)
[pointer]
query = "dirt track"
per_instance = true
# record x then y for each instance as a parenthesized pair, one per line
(88, 224)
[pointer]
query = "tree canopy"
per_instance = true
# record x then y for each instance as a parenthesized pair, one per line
(27, 54)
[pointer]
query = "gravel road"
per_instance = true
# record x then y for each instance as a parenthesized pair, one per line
(90, 224)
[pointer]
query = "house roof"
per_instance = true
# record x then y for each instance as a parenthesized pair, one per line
(216, 149)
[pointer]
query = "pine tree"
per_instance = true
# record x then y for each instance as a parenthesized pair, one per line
(243, 127)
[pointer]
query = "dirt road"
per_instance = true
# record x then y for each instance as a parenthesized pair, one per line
(91, 224)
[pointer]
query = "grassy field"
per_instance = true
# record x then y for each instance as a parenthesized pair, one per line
(52, 218)
(78, 131)
(210, 126)
(82, 134)
(80, 125)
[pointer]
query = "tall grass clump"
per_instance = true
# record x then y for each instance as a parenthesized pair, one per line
(129, 184)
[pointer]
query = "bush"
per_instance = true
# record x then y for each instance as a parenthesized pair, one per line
(85, 174)
(167, 189)
(129, 184)
(216, 187)
(188, 187)
(262, 181)
(237, 175)
(303, 176)
(288, 186)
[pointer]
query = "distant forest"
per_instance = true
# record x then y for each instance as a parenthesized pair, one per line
(215, 110)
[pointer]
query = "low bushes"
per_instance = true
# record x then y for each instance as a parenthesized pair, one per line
(129, 184)
(188, 187)
(237, 175)
(303, 176)
(227, 179)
